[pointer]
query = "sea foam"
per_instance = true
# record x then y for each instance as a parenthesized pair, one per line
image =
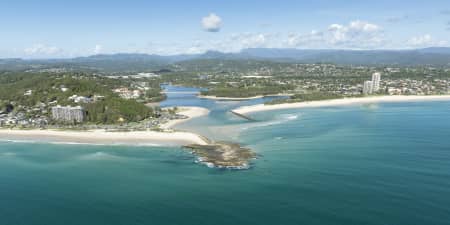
(283, 118)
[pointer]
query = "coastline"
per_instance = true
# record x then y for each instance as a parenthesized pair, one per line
(237, 99)
(228, 98)
(189, 111)
(150, 138)
(340, 102)
(102, 137)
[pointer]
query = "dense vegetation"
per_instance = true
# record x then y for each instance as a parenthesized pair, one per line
(243, 92)
(116, 110)
(47, 90)
(314, 96)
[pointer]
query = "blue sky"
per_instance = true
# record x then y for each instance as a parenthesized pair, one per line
(54, 29)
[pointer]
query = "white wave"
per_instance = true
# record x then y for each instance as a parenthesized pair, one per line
(148, 145)
(99, 156)
(18, 141)
(68, 143)
(291, 117)
(88, 143)
(283, 118)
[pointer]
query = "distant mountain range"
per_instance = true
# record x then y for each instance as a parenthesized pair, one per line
(438, 56)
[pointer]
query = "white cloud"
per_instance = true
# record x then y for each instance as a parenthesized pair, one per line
(249, 40)
(42, 50)
(98, 49)
(425, 41)
(212, 23)
(421, 40)
(312, 39)
(357, 34)
(230, 43)
(364, 26)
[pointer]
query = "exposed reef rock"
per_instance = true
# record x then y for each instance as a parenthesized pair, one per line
(223, 155)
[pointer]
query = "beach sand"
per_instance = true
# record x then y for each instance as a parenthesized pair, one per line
(340, 102)
(228, 98)
(104, 137)
(191, 112)
(238, 99)
(172, 138)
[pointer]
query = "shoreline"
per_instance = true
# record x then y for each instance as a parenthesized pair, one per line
(340, 102)
(236, 98)
(228, 98)
(190, 111)
(101, 137)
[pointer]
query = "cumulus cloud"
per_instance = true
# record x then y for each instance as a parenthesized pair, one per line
(230, 43)
(42, 50)
(212, 23)
(356, 34)
(420, 40)
(251, 40)
(425, 41)
(98, 49)
(312, 39)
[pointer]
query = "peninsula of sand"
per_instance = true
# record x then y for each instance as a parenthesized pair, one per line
(238, 98)
(190, 112)
(165, 137)
(340, 102)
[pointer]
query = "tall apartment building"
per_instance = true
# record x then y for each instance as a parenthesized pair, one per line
(368, 87)
(68, 113)
(376, 77)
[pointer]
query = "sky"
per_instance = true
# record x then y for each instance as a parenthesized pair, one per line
(62, 29)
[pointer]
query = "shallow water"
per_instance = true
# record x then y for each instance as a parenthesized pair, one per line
(374, 164)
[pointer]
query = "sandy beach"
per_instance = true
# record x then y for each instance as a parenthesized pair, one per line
(175, 138)
(228, 98)
(191, 112)
(103, 137)
(340, 102)
(238, 99)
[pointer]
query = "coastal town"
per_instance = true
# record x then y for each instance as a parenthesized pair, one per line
(71, 109)
(225, 112)
(125, 107)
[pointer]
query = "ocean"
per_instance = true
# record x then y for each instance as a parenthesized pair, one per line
(362, 164)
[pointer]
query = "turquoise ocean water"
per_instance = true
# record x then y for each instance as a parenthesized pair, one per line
(370, 164)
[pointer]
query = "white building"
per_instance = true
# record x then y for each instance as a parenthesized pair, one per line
(128, 94)
(68, 113)
(368, 87)
(28, 93)
(80, 99)
(376, 77)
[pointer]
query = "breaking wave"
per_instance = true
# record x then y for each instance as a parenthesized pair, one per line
(99, 156)
(280, 119)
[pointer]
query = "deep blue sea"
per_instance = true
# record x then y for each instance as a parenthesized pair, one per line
(383, 164)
